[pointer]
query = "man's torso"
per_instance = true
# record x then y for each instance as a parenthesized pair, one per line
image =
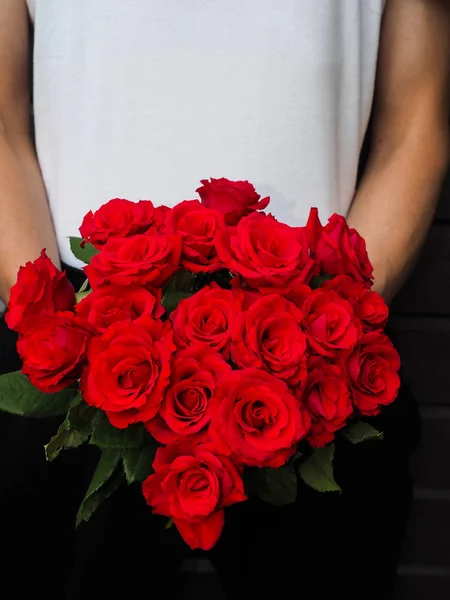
(142, 99)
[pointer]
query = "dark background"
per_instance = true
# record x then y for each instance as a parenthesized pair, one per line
(421, 327)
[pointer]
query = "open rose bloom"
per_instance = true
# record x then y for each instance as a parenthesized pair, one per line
(210, 346)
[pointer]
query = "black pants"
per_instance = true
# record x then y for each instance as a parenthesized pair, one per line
(324, 544)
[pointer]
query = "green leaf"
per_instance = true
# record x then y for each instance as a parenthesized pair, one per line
(179, 287)
(79, 296)
(19, 397)
(223, 278)
(171, 300)
(84, 253)
(295, 458)
(107, 478)
(361, 432)
(169, 524)
(319, 280)
(317, 470)
(137, 463)
(181, 281)
(75, 430)
(84, 287)
(277, 486)
(105, 435)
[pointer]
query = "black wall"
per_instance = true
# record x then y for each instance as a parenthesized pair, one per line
(421, 327)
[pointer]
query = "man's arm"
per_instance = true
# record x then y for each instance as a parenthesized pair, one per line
(396, 200)
(25, 223)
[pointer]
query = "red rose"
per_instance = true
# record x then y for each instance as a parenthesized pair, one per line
(269, 336)
(373, 311)
(39, 287)
(111, 304)
(197, 226)
(247, 295)
(298, 295)
(265, 253)
(348, 288)
(373, 373)
(162, 215)
(368, 306)
(140, 260)
(330, 323)
(207, 317)
(118, 218)
(129, 370)
(341, 250)
(326, 398)
(185, 411)
(234, 199)
(53, 351)
(256, 419)
(192, 485)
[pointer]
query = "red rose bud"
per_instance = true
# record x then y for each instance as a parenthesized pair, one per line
(208, 317)
(40, 287)
(197, 226)
(185, 411)
(105, 306)
(373, 373)
(269, 336)
(129, 369)
(267, 254)
(341, 250)
(256, 420)
(330, 323)
(326, 397)
(313, 230)
(119, 218)
(234, 199)
(53, 351)
(138, 260)
(192, 485)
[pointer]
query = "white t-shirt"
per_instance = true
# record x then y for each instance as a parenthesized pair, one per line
(141, 99)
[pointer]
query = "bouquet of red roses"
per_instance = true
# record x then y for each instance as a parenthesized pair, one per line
(213, 352)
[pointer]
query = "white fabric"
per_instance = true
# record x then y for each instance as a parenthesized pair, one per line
(143, 98)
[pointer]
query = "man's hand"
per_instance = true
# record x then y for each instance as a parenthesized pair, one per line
(25, 223)
(396, 201)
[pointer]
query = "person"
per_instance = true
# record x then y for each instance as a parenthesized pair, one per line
(144, 99)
